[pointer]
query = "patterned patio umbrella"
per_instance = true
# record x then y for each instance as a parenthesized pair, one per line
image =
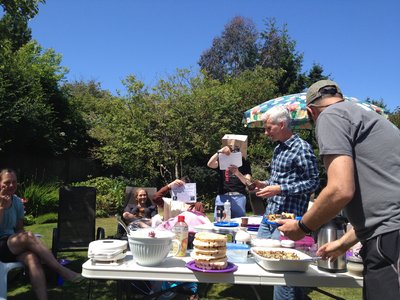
(296, 104)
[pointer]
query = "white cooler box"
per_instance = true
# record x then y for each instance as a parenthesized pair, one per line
(107, 251)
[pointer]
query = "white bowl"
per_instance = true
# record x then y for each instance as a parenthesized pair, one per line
(151, 251)
(300, 265)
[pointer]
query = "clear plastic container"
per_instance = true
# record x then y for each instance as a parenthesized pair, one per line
(237, 252)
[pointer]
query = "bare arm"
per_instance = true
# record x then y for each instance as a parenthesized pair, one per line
(213, 161)
(336, 195)
(245, 179)
(336, 248)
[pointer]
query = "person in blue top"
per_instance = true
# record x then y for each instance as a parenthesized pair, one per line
(294, 176)
(19, 245)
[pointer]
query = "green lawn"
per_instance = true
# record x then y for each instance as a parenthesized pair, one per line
(19, 287)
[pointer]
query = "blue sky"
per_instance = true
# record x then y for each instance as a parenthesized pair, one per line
(357, 41)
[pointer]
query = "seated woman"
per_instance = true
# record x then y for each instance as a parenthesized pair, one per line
(19, 245)
(139, 214)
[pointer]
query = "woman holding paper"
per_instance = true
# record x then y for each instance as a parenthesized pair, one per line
(231, 187)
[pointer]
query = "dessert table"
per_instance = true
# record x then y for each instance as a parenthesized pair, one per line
(250, 273)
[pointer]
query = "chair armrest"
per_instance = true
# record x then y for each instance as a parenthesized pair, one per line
(100, 234)
(54, 242)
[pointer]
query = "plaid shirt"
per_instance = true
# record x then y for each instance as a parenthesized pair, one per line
(294, 168)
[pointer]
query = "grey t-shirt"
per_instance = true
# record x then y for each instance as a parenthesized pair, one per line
(374, 144)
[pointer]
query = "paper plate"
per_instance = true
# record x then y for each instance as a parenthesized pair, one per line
(230, 268)
(226, 224)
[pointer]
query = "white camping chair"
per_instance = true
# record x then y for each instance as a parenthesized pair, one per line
(4, 269)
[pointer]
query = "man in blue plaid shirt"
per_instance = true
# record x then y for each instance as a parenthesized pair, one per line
(294, 176)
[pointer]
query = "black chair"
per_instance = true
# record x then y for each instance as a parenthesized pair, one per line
(76, 220)
(257, 204)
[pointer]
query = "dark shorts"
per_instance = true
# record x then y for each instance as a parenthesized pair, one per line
(381, 266)
(5, 253)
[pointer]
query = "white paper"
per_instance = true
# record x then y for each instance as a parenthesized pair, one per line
(225, 161)
(184, 193)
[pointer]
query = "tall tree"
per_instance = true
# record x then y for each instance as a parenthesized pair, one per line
(14, 23)
(233, 52)
(315, 74)
(278, 51)
(35, 114)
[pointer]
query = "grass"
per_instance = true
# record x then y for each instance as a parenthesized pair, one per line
(19, 287)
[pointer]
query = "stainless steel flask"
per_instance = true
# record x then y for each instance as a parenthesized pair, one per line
(330, 232)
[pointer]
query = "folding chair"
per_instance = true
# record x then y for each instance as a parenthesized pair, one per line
(4, 269)
(76, 220)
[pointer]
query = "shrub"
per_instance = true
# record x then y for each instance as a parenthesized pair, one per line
(29, 220)
(110, 194)
(41, 198)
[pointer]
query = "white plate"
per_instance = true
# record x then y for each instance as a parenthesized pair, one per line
(268, 243)
(300, 265)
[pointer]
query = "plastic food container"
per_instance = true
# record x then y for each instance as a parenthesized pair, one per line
(237, 252)
(271, 264)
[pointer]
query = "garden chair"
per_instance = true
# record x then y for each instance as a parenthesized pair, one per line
(4, 269)
(76, 220)
(257, 204)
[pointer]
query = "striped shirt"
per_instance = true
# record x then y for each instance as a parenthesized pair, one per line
(294, 168)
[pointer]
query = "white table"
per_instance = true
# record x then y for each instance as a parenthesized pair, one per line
(250, 273)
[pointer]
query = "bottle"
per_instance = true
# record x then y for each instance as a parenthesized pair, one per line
(220, 213)
(227, 210)
(181, 231)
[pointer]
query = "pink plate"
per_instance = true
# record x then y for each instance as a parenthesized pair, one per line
(229, 269)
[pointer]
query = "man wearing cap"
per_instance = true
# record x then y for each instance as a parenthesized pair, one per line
(361, 154)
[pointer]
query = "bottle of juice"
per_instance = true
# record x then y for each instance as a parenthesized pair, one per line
(181, 231)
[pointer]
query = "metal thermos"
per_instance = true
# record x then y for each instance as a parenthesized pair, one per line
(330, 232)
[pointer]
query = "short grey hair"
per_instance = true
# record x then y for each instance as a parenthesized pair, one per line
(278, 114)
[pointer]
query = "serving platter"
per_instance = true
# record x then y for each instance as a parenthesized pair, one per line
(271, 264)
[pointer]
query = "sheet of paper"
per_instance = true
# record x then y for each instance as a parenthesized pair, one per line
(234, 159)
(184, 193)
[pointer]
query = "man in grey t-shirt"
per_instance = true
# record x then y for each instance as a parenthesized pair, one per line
(361, 153)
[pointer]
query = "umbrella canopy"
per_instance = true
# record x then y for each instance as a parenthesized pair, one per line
(296, 104)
